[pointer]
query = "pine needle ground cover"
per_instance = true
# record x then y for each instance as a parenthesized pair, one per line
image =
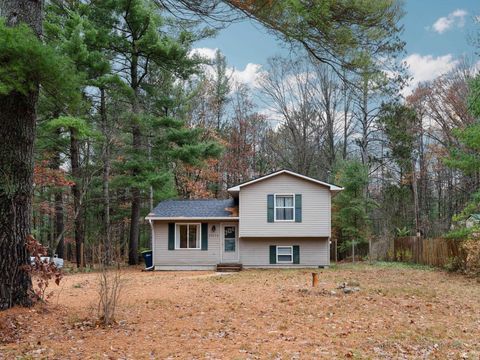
(399, 312)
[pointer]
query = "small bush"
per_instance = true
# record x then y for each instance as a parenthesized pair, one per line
(471, 246)
(459, 234)
(42, 270)
(108, 295)
(402, 232)
(109, 288)
(454, 264)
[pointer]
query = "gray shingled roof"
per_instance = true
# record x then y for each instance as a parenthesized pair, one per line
(193, 208)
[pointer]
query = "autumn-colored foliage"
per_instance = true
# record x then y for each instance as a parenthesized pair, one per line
(44, 175)
(43, 271)
(193, 181)
(471, 246)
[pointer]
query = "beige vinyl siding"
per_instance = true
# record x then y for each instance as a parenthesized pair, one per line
(190, 257)
(255, 252)
(316, 208)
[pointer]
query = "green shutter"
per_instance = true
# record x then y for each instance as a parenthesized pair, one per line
(298, 207)
(171, 236)
(296, 254)
(270, 208)
(204, 236)
(273, 254)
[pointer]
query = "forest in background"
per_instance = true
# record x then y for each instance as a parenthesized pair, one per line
(119, 112)
(144, 118)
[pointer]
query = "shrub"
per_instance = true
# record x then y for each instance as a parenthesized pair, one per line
(454, 264)
(43, 271)
(471, 246)
(402, 232)
(459, 234)
(109, 287)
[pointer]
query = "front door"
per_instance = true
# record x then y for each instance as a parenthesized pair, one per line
(230, 243)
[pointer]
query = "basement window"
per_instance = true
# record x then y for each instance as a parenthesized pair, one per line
(285, 254)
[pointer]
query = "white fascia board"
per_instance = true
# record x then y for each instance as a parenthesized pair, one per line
(179, 218)
(330, 186)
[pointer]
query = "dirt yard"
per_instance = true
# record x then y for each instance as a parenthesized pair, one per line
(399, 313)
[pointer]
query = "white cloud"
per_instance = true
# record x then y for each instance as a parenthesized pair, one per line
(427, 67)
(455, 18)
(476, 67)
(249, 76)
(272, 116)
(206, 53)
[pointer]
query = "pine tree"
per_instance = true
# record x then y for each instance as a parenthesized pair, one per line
(351, 206)
(400, 125)
(69, 30)
(141, 50)
(17, 131)
(464, 156)
(25, 64)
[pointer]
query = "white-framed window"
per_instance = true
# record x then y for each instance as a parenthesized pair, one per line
(284, 207)
(187, 236)
(284, 254)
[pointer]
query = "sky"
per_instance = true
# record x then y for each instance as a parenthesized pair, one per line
(436, 34)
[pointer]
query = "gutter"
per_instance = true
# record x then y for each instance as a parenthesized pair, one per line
(150, 218)
(151, 268)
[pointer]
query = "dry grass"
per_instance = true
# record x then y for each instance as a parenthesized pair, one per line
(400, 312)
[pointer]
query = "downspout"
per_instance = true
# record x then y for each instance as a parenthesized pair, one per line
(151, 268)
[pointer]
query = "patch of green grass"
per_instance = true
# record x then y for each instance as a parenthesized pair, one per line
(403, 265)
(364, 265)
(347, 266)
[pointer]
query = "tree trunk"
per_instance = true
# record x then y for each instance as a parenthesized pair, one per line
(345, 119)
(150, 190)
(137, 147)
(415, 199)
(365, 125)
(77, 195)
(422, 186)
(58, 227)
(107, 246)
(17, 134)
(134, 223)
(353, 250)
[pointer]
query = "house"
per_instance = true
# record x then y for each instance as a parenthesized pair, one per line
(472, 220)
(279, 220)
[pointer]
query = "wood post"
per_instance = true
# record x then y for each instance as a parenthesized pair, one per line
(314, 279)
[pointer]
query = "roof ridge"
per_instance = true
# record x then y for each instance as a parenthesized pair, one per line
(289, 172)
(193, 208)
(198, 199)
